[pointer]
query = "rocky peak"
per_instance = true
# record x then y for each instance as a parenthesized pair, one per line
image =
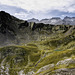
(69, 20)
(33, 20)
(8, 23)
(56, 20)
(67, 17)
(45, 21)
(5, 17)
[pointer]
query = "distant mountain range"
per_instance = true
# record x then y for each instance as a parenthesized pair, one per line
(55, 20)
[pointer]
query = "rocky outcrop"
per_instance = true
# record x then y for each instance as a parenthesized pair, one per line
(66, 61)
(47, 67)
(33, 20)
(56, 21)
(65, 71)
(45, 21)
(69, 20)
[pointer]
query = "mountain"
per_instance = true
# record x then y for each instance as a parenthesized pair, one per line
(69, 20)
(45, 21)
(33, 20)
(29, 48)
(15, 31)
(56, 21)
(8, 27)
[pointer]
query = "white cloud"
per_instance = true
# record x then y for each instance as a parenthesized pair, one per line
(29, 15)
(38, 8)
(71, 9)
(21, 15)
(42, 5)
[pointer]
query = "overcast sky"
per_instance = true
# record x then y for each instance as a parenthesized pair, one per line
(26, 9)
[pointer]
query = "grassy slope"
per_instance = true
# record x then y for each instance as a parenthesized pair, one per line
(51, 50)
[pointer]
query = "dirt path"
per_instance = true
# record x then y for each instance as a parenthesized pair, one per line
(40, 60)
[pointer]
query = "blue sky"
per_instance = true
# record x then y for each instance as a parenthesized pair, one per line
(40, 9)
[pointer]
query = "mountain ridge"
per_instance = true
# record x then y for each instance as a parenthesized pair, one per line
(15, 31)
(55, 20)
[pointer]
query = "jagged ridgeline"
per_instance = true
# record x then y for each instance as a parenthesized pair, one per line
(29, 48)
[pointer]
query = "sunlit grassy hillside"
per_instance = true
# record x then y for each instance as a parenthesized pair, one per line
(49, 56)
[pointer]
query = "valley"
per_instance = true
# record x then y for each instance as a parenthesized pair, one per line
(29, 48)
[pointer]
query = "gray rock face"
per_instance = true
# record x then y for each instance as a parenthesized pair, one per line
(47, 67)
(45, 21)
(65, 71)
(33, 20)
(56, 21)
(66, 61)
(69, 20)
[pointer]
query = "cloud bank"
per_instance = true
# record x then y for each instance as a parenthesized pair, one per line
(39, 8)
